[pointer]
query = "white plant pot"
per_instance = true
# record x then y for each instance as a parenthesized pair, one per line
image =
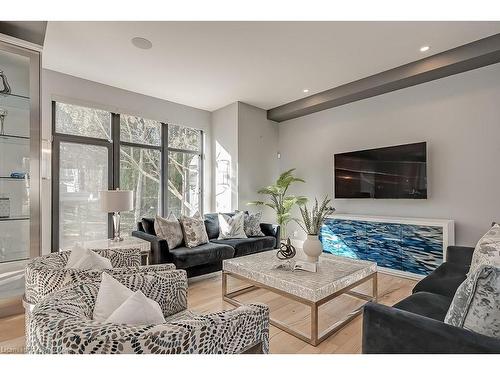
(312, 248)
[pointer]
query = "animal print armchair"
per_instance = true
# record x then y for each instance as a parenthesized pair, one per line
(47, 274)
(62, 323)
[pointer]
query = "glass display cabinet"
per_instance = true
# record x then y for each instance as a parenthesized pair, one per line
(19, 153)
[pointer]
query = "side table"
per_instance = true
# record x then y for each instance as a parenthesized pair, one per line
(126, 244)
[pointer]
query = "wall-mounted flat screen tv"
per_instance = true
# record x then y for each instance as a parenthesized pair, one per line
(397, 172)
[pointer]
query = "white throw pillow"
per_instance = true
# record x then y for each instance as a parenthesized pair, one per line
(232, 226)
(487, 250)
(111, 295)
(76, 253)
(136, 310)
(85, 259)
(170, 230)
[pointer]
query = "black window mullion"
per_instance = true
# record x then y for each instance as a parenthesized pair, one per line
(115, 163)
(55, 192)
(115, 137)
(184, 151)
(164, 168)
(140, 145)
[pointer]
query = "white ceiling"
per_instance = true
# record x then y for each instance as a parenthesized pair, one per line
(211, 64)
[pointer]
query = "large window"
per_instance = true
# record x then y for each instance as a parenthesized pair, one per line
(83, 172)
(95, 150)
(184, 170)
(82, 121)
(140, 167)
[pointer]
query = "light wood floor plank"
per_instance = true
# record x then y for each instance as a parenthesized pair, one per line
(205, 297)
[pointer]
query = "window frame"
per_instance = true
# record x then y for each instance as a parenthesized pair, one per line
(113, 145)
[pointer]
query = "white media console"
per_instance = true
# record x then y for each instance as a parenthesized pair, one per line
(411, 247)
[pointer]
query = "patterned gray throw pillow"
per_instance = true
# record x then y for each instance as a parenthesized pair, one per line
(476, 304)
(170, 230)
(194, 230)
(231, 226)
(252, 225)
(487, 250)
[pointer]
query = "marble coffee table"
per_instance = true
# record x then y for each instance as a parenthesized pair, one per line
(335, 276)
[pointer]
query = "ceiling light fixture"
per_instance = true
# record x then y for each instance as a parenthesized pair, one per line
(305, 91)
(424, 48)
(142, 43)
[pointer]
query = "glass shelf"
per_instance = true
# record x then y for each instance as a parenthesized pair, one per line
(14, 101)
(10, 136)
(13, 178)
(19, 153)
(14, 96)
(12, 218)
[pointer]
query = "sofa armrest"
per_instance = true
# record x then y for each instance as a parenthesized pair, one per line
(272, 230)
(159, 247)
(461, 255)
(387, 330)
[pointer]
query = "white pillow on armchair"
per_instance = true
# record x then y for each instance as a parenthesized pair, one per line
(115, 303)
(85, 259)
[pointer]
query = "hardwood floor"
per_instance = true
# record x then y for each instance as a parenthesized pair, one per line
(205, 296)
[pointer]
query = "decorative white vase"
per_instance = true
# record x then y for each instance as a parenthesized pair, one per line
(312, 248)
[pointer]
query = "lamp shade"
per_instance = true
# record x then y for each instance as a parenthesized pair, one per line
(116, 200)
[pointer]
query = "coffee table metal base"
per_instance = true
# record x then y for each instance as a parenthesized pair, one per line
(316, 337)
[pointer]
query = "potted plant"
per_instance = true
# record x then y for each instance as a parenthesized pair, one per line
(279, 201)
(311, 223)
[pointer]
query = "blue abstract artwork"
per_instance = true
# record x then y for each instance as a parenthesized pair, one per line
(411, 248)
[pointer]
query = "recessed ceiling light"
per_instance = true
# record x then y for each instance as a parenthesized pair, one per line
(424, 48)
(141, 43)
(305, 90)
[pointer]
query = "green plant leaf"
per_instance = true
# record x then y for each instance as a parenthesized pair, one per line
(270, 190)
(313, 219)
(256, 203)
(278, 200)
(301, 200)
(271, 205)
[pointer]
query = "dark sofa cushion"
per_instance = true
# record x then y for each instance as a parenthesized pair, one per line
(184, 257)
(212, 225)
(148, 225)
(444, 280)
(251, 245)
(430, 305)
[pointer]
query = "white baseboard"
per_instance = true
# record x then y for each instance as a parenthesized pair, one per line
(406, 275)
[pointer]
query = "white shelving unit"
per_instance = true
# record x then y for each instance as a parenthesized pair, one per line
(19, 163)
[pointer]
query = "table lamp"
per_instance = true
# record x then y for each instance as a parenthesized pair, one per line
(116, 201)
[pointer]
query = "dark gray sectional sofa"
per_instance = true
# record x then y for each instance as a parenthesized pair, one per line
(208, 257)
(416, 324)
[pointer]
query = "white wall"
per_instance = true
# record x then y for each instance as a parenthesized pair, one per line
(257, 156)
(242, 134)
(459, 117)
(225, 154)
(58, 86)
